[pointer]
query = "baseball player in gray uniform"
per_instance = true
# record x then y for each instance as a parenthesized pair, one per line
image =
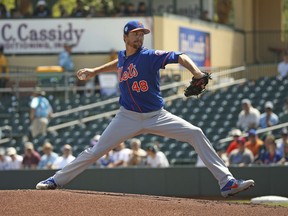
(142, 111)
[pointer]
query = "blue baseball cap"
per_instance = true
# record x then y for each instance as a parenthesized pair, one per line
(252, 132)
(135, 26)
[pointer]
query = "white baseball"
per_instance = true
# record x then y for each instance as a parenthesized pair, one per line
(82, 77)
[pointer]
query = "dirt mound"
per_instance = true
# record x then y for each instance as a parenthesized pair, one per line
(75, 202)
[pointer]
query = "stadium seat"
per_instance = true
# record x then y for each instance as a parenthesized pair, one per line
(173, 146)
(216, 113)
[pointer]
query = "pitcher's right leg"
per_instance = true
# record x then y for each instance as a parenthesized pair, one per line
(121, 128)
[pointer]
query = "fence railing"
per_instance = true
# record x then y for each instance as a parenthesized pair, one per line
(222, 78)
(23, 80)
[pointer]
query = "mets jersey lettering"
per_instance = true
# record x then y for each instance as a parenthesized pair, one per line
(130, 73)
(139, 78)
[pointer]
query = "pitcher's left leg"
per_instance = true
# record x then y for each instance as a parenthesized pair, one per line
(169, 125)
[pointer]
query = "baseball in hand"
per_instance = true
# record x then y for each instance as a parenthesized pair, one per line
(82, 76)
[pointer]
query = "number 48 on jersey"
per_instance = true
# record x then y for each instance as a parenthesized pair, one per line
(142, 85)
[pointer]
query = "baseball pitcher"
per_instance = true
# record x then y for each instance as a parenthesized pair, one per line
(142, 110)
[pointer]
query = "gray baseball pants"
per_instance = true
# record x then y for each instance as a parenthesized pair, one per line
(127, 124)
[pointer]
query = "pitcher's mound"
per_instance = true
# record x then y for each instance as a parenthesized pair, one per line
(75, 202)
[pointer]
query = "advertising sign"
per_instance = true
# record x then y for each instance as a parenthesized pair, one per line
(44, 36)
(196, 44)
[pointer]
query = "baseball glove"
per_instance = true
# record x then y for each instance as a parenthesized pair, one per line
(197, 86)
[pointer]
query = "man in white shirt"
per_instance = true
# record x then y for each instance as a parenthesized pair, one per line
(66, 158)
(283, 67)
(138, 155)
(16, 160)
(249, 116)
(120, 156)
(155, 157)
(4, 159)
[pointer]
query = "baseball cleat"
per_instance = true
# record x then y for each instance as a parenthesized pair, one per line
(48, 184)
(235, 186)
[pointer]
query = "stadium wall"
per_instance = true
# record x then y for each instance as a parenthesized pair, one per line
(165, 33)
(174, 181)
(224, 51)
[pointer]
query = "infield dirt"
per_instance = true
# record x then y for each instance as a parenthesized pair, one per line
(76, 202)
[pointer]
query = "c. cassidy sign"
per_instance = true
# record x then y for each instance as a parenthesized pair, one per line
(44, 36)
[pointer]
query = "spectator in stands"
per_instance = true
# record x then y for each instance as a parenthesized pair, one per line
(138, 155)
(4, 159)
(223, 9)
(16, 13)
(3, 11)
(48, 158)
(205, 16)
(63, 11)
(281, 143)
(284, 160)
(254, 143)
(121, 9)
(120, 156)
(25, 7)
(249, 116)
(283, 67)
(284, 115)
(131, 10)
(241, 156)
(106, 160)
(156, 158)
(31, 157)
(266, 139)
(271, 155)
(40, 113)
(42, 10)
(16, 160)
(105, 9)
(79, 10)
(94, 140)
(236, 133)
(62, 8)
(92, 12)
(65, 59)
(67, 157)
(4, 70)
(268, 118)
(142, 9)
